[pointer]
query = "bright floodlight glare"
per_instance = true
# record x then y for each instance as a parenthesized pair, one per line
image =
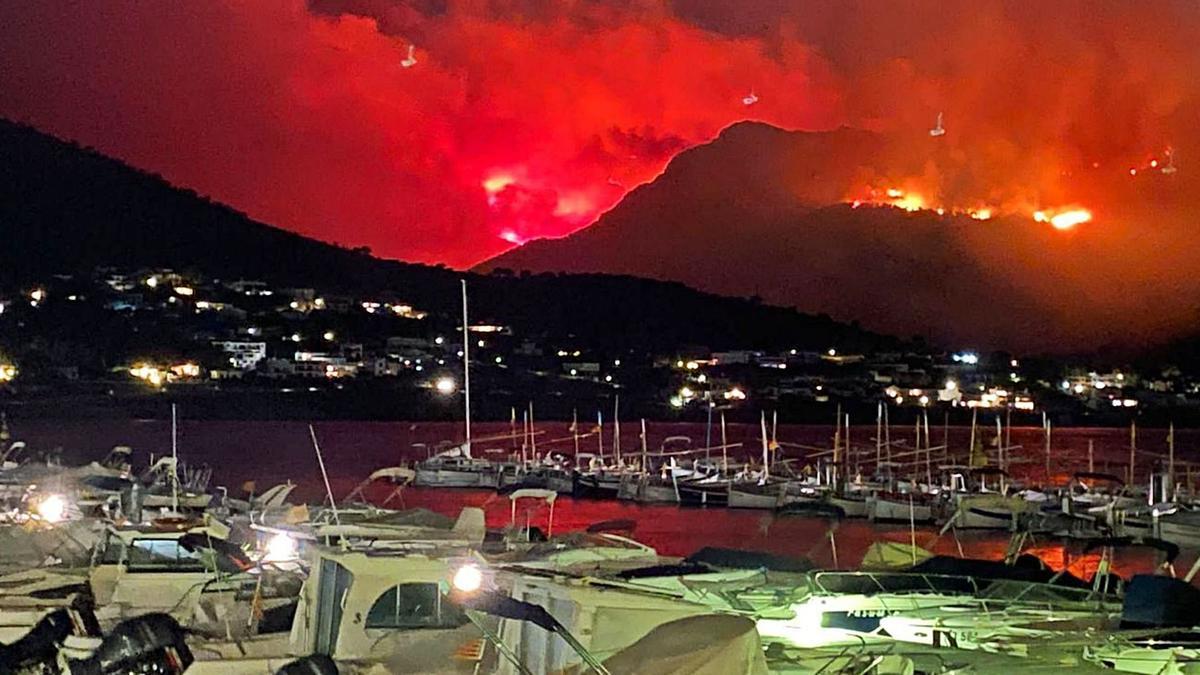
(445, 385)
(280, 547)
(52, 509)
(468, 579)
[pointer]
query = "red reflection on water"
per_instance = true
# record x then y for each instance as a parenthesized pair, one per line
(273, 452)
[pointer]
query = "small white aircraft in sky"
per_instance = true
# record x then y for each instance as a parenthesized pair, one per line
(938, 130)
(750, 100)
(411, 60)
(1169, 167)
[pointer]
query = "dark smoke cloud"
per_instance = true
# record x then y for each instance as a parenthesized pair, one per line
(301, 114)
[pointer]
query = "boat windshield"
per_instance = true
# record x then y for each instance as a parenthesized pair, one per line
(414, 605)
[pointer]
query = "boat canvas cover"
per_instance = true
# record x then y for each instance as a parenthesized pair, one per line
(709, 644)
(892, 555)
(740, 559)
(1026, 568)
(1160, 602)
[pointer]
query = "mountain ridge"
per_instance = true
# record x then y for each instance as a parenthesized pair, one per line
(70, 209)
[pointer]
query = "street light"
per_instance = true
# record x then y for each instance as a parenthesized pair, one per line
(446, 385)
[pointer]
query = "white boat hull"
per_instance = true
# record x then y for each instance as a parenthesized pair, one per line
(898, 511)
(853, 508)
(739, 499)
(453, 478)
(657, 494)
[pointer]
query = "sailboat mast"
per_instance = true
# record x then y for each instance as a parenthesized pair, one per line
(1000, 444)
(617, 429)
(1008, 428)
(532, 436)
(1132, 449)
(466, 372)
(878, 435)
(1171, 457)
(837, 445)
(848, 458)
(1049, 433)
(928, 452)
(645, 456)
(765, 450)
(174, 461)
(575, 429)
(971, 443)
(775, 432)
(724, 447)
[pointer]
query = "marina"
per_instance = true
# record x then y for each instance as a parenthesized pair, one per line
(933, 566)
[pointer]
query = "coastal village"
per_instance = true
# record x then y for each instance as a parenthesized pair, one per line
(169, 331)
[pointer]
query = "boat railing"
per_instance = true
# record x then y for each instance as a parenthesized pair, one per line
(991, 593)
(870, 583)
(854, 650)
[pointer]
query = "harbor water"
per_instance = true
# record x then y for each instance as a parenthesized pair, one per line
(273, 452)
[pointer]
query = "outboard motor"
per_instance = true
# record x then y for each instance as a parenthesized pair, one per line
(317, 664)
(1160, 602)
(37, 651)
(152, 644)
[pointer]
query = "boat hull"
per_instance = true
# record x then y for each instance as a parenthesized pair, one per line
(703, 495)
(591, 486)
(852, 508)
(452, 478)
(895, 511)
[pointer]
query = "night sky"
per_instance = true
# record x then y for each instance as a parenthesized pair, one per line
(528, 118)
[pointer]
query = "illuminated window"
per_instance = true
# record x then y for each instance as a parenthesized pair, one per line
(418, 605)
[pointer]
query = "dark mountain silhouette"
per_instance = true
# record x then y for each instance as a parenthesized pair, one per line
(65, 209)
(760, 211)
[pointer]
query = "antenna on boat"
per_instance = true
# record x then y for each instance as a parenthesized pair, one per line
(337, 518)
(174, 461)
(466, 371)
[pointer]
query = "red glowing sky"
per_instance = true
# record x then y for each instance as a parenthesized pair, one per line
(528, 118)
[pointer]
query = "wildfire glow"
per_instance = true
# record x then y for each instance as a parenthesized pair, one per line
(982, 214)
(1068, 219)
(494, 184)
